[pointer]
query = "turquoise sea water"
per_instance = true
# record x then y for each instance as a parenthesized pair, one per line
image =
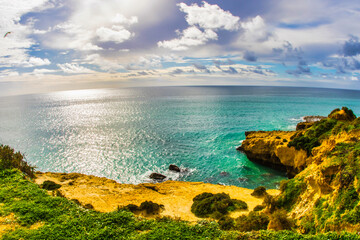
(126, 134)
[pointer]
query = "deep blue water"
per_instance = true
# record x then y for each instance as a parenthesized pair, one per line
(125, 134)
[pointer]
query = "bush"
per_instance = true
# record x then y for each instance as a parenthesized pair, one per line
(226, 223)
(253, 222)
(290, 191)
(280, 221)
(259, 208)
(10, 159)
(312, 136)
(215, 205)
(343, 114)
(259, 192)
(50, 185)
(150, 208)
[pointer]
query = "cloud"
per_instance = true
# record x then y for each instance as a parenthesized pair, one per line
(301, 69)
(190, 37)
(201, 67)
(209, 17)
(231, 70)
(103, 63)
(43, 71)
(86, 35)
(255, 30)
(73, 68)
(353, 78)
(122, 20)
(351, 47)
(177, 71)
(250, 56)
(8, 73)
(14, 48)
(34, 61)
(116, 34)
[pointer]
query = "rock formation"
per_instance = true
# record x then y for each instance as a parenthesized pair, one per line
(323, 161)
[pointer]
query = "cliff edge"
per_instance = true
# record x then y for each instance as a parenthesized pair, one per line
(323, 162)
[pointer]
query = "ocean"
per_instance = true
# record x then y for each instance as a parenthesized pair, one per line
(126, 134)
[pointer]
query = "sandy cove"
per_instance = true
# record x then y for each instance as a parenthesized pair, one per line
(106, 195)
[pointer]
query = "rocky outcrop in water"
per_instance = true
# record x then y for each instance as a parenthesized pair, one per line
(157, 176)
(270, 149)
(322, 159)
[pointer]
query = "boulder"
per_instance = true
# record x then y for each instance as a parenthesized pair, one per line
(157, 176)
(174, 168)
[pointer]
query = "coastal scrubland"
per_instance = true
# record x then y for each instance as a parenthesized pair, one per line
(320, 200)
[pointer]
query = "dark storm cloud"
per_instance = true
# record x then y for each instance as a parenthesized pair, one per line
(301, 69)
(351, 47)
(250, 56)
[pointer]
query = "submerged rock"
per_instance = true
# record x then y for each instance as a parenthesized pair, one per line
(157, 176)
(224, 174)
(174, 168)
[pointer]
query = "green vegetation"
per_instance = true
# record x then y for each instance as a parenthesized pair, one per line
(50, 185)
(10, 159)
(148, 207)
(215, 205)
(253, 222)
(259, 192)
(280, 221)
(343, 114)
(64, 219)
(290, 192)
(312, 136)
(259, 208)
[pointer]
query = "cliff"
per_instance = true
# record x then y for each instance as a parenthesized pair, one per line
(270, 149)
(323, 161)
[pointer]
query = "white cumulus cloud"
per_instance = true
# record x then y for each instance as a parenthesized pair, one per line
(191, 36)
(73, 68)
(35, 61)
(116, 34)
(209, 16)
(13, 48)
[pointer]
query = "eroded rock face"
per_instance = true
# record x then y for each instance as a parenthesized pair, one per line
(270, 149)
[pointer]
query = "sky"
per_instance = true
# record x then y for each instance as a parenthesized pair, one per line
(72, 44)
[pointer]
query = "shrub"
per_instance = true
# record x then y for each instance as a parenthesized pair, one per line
(259, 192)
(280, 221)
(10, 159)
(312, 136)
(215, 205)
(253, 222)
(131, 207)
(150, 207)
(226, 223)
(270, 202)
(290, 191)
(89, 206)
(259, 208)
(343, 114)
(50, 185)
